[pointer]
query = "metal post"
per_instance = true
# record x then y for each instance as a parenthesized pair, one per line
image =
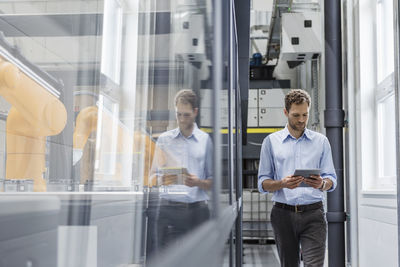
(239, 184)
(334, 123)
(217, 68)
(396, 28)
(231, 93)
(242, 15)
(242, 9)
(350, 82)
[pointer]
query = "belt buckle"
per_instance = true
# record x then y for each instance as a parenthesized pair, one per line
(296, 209)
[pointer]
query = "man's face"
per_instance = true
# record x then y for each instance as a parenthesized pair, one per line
(185, 115)
(297, 116)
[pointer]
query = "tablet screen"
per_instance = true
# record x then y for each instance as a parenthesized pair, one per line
(306, 173)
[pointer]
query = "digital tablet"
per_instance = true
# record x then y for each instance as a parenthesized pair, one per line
(306, 173)
(178, 171)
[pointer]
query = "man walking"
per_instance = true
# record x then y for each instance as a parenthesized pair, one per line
(298, 217)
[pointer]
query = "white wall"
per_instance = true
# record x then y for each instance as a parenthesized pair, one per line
(378, 230)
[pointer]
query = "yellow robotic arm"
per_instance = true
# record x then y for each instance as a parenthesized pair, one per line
(35, 114)
(86, 123)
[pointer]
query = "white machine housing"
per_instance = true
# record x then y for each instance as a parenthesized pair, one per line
(301, 36)
(189, 37)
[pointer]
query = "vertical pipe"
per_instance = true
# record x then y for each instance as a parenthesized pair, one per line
(334, 122)
(396, 28)
(217, 68)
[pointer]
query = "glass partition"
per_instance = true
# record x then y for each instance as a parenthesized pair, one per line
(106, 129)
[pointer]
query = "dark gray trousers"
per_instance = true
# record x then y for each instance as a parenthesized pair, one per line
(176, 220)
(303, 229)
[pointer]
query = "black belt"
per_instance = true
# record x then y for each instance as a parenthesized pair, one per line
(299, 208)
(167, 202)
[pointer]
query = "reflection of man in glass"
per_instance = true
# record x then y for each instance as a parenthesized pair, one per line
(183, 164)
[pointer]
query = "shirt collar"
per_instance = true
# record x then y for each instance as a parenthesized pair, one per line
(308, 134)
(194, 134)
(286, 134)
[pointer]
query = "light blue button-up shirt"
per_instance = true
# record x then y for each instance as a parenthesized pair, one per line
(282, 154)
(193, 153)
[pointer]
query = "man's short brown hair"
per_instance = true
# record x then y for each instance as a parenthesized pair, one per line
(296, 96)
(187, 96)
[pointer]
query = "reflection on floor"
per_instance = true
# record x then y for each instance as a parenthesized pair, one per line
(257, 255)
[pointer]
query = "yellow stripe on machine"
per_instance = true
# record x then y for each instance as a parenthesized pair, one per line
(249, 130)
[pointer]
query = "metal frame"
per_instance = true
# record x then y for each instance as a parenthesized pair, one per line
(217, 83)
(350, 81)
(231, 93)
(396, 28)
(242, 22)
(71, 24)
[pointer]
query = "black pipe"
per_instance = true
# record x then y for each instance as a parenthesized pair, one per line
(334, 123)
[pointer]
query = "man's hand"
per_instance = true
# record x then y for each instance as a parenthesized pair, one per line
(314, 181)
(192, 180)
(291, 181)
(169, 179)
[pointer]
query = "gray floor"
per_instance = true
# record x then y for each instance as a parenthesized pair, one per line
(256, 255)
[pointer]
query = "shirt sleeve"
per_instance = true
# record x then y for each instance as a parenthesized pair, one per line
(327, 167)
(266, 167)
(208, 159)
(159, 160)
